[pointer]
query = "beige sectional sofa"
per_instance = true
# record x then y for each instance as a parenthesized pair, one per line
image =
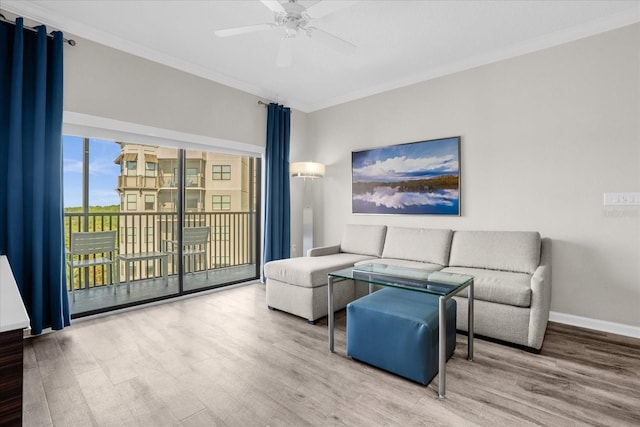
(512, 272)
(299, 285)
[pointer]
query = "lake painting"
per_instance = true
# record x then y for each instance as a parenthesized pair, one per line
(416, 178)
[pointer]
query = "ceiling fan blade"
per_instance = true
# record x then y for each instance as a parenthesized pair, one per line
(243, 30)
(324, 8)
(274, 5)
(285, 52)
(334, 42)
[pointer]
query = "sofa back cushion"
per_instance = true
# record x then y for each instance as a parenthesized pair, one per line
(363, 239)
(418, 244)
(517, 251)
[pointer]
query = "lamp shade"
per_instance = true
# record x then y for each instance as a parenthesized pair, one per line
(307, 169)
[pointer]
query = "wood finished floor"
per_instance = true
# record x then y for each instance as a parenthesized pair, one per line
(101, 297)
(224, 359)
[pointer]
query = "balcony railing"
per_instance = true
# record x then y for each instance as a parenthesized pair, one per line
(231, 243)
(170, 181)
(138, 182)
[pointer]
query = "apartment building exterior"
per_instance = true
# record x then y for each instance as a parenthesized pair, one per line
(219, 193)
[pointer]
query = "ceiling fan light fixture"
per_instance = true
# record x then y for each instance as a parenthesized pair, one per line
(292, 17)
(280, 18)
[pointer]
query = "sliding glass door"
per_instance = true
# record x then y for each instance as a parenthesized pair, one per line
(183, 220)
(219, 235)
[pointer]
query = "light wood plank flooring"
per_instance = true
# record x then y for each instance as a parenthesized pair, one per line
(102, 297)
(224, 359)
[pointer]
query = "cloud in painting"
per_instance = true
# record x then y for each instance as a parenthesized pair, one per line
(392, 198)
(401, 168)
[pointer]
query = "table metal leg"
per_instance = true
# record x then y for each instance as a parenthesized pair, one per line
(126, 274)
(442, 345)
(117, 275)
(164, 265)
(330, 314)
(470, 323)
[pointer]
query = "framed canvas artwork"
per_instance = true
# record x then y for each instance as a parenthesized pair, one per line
(416, 178)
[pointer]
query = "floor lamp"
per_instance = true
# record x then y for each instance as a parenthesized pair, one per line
(308, 171)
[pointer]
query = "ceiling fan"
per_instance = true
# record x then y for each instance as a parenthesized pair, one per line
(294, 18)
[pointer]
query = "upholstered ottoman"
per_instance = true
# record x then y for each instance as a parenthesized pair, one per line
(397, 330)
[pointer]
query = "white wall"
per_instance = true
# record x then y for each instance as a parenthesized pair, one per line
(107, 83)
(543, 137)
(297, 153)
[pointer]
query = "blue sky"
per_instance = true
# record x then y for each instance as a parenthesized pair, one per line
(406, 161)
(103, 173)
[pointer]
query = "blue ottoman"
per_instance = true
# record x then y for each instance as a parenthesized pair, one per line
(397, 330)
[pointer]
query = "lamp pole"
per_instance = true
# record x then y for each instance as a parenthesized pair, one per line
(308, 171)
(307, 216)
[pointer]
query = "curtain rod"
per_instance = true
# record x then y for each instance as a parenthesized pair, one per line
(71, 42)
(265, 105)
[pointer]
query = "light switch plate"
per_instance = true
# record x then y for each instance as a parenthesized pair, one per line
(621, 199)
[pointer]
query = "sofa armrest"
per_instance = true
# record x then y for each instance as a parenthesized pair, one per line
(540, 296)
(324, 250)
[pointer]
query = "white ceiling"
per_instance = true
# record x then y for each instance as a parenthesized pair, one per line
(399, 42)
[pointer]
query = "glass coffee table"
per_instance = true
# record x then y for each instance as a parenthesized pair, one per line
(444, 285)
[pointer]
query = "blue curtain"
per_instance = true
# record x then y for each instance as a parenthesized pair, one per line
(31, 215)
(277, 227)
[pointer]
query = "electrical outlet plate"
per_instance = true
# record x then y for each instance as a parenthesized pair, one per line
(621, 199)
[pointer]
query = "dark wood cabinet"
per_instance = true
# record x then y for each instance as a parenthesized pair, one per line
(11, 356)
(13, 322)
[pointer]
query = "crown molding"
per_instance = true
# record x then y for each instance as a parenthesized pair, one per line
(40, 14)
(78, 29)
(551, 40)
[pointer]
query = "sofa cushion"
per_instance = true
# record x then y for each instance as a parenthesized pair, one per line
(402, 263)
(309, 272)
(517, 251)
(363, 239)
(418, 244)
(502, 287)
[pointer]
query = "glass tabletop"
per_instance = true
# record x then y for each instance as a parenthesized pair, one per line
(433, 282)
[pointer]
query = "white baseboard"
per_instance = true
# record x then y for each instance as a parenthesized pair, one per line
(598, 325)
